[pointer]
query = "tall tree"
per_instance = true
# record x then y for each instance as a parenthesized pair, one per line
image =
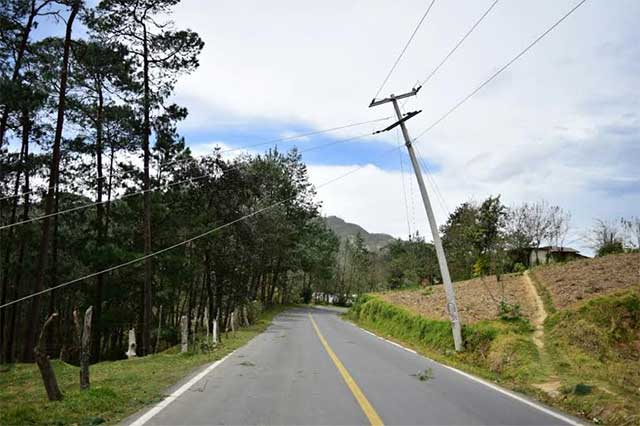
(101, 71)
(17, 20)
(32, 328)
(163, 53)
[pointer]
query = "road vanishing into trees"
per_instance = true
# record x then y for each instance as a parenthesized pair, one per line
(312, 368)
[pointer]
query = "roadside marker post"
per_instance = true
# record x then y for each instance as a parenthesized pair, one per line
(452, 308)
(185, 335)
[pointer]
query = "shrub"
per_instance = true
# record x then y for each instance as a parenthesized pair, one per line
(613, 247)
(519, 268)
(509, 312)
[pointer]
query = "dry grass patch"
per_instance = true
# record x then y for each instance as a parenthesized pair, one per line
(477, 299)
(585, 279)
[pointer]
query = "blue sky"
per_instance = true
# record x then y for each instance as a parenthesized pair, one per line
(562, 124)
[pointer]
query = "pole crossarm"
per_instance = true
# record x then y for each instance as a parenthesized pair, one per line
(399, 122)
(413, 92)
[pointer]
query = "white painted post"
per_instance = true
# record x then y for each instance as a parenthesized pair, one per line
(245, 316)
(131, 353)
(185, 335)
(215, 331)
(206, 321)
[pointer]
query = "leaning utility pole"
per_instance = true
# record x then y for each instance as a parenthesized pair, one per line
(442, 260)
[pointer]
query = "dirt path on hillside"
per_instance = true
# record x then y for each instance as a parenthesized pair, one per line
(540, 314)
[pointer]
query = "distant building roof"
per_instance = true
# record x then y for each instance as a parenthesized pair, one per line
(556, 249)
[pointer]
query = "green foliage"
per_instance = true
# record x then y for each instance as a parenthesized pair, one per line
(612, 247)
(519, 268)
(410, 263)
(509, 312)
(424, 375)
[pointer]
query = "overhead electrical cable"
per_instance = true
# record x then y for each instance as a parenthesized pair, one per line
(182, 243)
(404, 189)
(432, 180)
(452, 51)
(404, 49)
(284, 139)
(504, 67)
(161, 187)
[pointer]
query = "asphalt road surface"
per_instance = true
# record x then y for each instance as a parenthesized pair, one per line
(312, 368)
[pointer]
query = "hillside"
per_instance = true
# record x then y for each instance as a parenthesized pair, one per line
(567, 284)
(572, 282)
(477, 299)
(579, 348)
(345, 229)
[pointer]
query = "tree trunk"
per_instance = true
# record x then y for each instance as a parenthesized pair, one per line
(17, 65)
(100, 230)
(33, 321)
(7, 255)
(9, 349)
(146, 331)
(46, 371)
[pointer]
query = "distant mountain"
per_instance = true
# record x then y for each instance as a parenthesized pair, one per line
(348, 230)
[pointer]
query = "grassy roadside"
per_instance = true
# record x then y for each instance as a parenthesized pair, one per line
(118, 388)
(588, 367)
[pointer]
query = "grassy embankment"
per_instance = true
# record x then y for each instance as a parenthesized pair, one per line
(589, 366)
(118, 388)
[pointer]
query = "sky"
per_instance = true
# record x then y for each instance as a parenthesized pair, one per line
(562, 124)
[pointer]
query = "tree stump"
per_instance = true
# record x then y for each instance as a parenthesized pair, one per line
(46, 371)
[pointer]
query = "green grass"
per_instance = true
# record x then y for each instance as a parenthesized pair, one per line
(498, 350)
(591, 350)
(595, 346)
(118, 388)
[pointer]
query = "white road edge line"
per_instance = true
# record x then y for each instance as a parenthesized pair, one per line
(182, 389)
(484, 382)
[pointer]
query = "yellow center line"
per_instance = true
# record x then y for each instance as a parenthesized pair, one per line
(366, 406)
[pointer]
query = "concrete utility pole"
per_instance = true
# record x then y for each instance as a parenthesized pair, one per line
(452, 308)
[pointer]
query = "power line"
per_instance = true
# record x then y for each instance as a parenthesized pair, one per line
(288, 138)
(404, 189)
(452, 51)
(504, 67)
(166, 249)
(432, 180)
(395, 64)
(160, 187)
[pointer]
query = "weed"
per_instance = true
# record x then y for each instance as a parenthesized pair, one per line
(582, 389)
(508, 311)
(424, 375)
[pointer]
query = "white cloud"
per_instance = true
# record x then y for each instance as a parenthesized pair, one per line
(535, 132)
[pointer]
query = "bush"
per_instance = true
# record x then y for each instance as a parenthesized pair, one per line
(613, 247)
(519, 268)
(509, 312)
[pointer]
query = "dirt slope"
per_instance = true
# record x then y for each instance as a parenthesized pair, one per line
(477, 299)
(585, 279)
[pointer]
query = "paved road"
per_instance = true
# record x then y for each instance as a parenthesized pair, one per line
(311, 367)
